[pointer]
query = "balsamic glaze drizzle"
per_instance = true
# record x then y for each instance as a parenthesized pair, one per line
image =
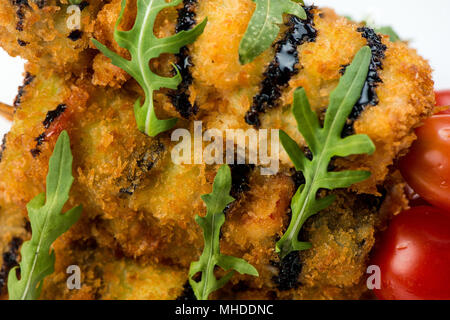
(283, 66)
(289, 271)
(180, 97)
(187, 294)
(240, 179)
(368, 95)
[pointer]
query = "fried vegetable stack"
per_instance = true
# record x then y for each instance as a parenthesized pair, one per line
(137, 235)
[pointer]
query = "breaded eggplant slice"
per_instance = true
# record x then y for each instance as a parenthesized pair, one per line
(107, 276)
(38, 31)
(135, 198)
(404, 96)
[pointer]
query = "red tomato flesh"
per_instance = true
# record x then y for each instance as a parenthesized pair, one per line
(426, 167)
(443, 98)
(414, 256)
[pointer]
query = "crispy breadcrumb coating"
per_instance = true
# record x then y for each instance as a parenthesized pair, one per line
(137, 235)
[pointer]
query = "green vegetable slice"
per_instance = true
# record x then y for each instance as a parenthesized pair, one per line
(143, 46)
(325, 143)
(264, 26)
(216, 202)
(47, 224)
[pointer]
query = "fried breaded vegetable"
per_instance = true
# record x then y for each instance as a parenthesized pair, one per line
(137, 235)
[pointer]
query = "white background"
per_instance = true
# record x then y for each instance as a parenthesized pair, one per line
(426, 24)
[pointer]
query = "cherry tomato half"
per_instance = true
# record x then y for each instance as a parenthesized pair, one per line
(414, 256)
(443, 98)
(426, 167)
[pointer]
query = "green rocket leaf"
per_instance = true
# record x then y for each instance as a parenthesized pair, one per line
(211, 257)
(389, 31)
(47, 224)
(143, 46)
(264, 26)
(325, 143)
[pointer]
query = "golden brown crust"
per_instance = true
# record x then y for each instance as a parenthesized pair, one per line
(139, 207)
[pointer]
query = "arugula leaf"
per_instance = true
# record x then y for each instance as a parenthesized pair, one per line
(325, 143)
(216, 202)
(47, 224)
(143, 46)
(389, 31)
(264, 26)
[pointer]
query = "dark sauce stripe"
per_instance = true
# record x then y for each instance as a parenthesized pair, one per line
(28, 79)
(180, 97)
(10, 258)
(289, 271)
(283, 66)
(368, 95)
(240, 179)
(187, 294)
(50, 117)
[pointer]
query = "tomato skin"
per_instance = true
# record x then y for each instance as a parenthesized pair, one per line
(414, 256)
(426, 167)
(443, 98)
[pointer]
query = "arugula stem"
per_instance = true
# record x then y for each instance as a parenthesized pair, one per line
(325, 143)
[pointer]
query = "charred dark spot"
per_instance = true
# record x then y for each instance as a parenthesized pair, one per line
(41, 3)
(298, 178)
(28, 79)
(145, 161)
(283, 66)
(22, 43)
(180, 97)
(75, 35)
(187, 294)
(27, 225)
(20, 12)
(289, 271)
(50, 117)
(83, 5)
(368, 95)
(53, 115)
(10, 258)
(39, 141)
(89, 244)
(3, 147)
(20, 3)
(371, 201)
(240, 179)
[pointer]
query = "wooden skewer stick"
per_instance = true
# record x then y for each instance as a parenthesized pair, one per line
(6, 111)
